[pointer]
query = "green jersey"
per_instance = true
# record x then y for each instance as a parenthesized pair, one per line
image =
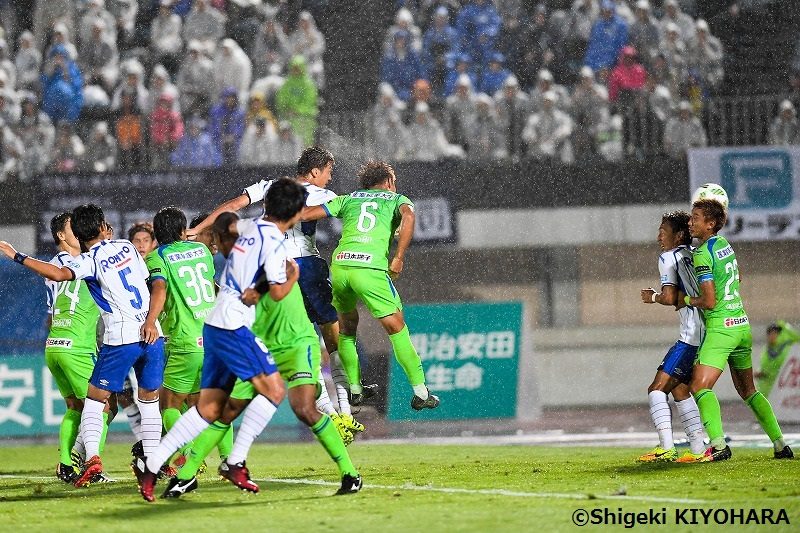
(773, 357)
(369, 220)
(188, 270)
(73, 311)
(714, 260)
(283, 324)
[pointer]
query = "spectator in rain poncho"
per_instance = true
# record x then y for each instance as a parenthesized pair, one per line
(11, 151)
(286, 148)
(421, 92)
(98, 58)
(296, 101)
(204, 23)
(271, 47)
(545, 83)
(256, 143)
(269, 85)
(67, 150)
(673, 14)
(62, 87)
(644, 34)
(124, 12)
(461, 65)
(101, 150)
(196, 149)
(257, 108)
(674, 50)
(474, 18)
(33, 124)
(9, 108)
(589, 111)
(485, 139)
(609, 35)
(495, 76)
(784, 128)
(244, 23)
(195, 81)
(28, 61)
(704, 55)
(166, 42)
(627, 79)
(47, 13)
(582, 17)
(226, 125)
(662, 73)
(7, 66)
(426, 139)
(513, 108)
(440, 38)
(400, 66)
(166, 130)
(307, 41)
(459, 112)
(683, 132)
(232, 68)
(386, 125)
(404, 21)
(133, 84)
(61, 38)
(129, 127)
(160, 85)
(548, 131)
(96, 12)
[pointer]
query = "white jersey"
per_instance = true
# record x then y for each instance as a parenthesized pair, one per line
(676, 269)
(301, 240)
(245, 264)
(116, 276)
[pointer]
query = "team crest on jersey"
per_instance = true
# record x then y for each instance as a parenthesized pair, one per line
(732, 322)
(725, 252)
(359, 257)
(59, 343)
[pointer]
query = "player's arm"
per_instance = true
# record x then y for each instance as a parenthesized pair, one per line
(233, 205)
(316, 212)
(277, 291)
(707, 298)
(404, 235)
(47, 270)
(158, 296)
(667, 296)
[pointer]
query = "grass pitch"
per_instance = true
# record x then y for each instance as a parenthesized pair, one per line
(407, 488)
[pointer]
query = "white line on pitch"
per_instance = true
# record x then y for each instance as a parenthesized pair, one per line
(493, 492)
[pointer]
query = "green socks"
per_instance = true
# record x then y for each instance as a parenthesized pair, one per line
(406, 355)
(170, 416)
(760, 406)
(226, 444)
(70, 425)
(329, 437)
(711, 415)
(103, 433)
(201, 447)
(349, 358)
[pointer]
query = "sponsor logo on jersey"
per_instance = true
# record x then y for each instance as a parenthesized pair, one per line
(203, 313)
(725, 252)
(299, 375)
(62, 322)
(359, 257)
(702, 269)
(177, 257)
(59, 343)
(734, 306)
(118, 260)
(732, 322)
(382, 195)
(363, 239)
(664, 279)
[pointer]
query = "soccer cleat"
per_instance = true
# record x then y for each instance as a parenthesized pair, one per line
(137, 450)
(202, 468)
(350, 484)
(145, 478)
(352, 424)
(77, 460)
(92, 467)
(178, 487)
(66, 473)
(659, 454)
(238, 475)
(102, 477)
(712, 454)
(367, 392)
(418, 404)
(690, 457)
(167, 472)
(785, 453)
(346, 434)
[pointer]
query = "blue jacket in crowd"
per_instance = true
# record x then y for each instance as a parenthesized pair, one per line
(62, 90)
(476, 17)
(606, 42)
(401, 73)
(197, 152)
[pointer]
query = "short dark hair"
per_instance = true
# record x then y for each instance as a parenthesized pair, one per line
(196, 221)
(87, 222)
(140, 227)
(774, 327)
(284, 199)
(57, 225)
(374, 173)
(311, 158)
(222, 223)
(678, 221)
(169, 224)
(713, 210)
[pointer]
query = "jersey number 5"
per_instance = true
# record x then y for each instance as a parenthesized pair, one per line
(367, 220)
(137, 297)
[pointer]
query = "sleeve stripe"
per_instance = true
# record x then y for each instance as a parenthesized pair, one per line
(73, 272)
(325, 207)
(153, 278)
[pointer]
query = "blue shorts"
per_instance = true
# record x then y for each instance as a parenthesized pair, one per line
(679, 361)
(315, 284)
(231, 354)
(114, 363)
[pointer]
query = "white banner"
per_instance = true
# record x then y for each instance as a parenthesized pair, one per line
(785, 394)
(762, 183)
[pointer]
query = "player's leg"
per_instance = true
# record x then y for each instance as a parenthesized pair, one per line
(711, 360)
(345, 300)
(149, 370)
(126, 400)
(661, 415)
(70, 423)
(181, 380)
(690, 420)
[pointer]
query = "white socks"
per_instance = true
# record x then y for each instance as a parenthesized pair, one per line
(662, 418)
(690, 418)
(256, 417)
(92, 426)
(150, 425)
(342, 385)
(188, 426)
(324, 404)
(134, 419)
(420, 391)
(79, 447)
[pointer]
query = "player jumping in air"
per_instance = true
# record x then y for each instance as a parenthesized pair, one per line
(117, 280)
(361, 270)
(728, 339)
(675, 371)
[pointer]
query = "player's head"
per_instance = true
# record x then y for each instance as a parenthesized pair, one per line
(207, 235)
(284, 200)
(377, 175)
(88, 223)
(169, 225)
(708, 217)
(773, 330)
(61, 229)
(316, 165)
(143, 238)
(222, 231)
(674, 230)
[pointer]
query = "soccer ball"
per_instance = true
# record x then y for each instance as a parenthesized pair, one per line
(711, 191)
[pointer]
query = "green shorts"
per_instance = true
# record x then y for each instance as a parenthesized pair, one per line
(70, 370)
(299, 364)
(723, 346)
(371, 286)
(243, 390)
(182, 371)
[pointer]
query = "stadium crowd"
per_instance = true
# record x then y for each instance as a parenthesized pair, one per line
(100, 85)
